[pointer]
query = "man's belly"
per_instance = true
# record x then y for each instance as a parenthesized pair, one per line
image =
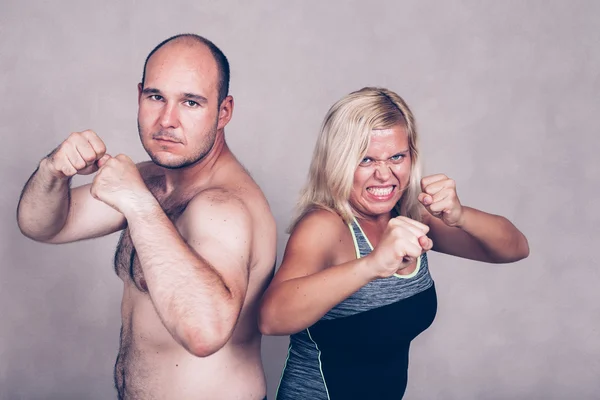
(151, 365)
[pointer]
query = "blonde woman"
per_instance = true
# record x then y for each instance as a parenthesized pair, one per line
(354, 286)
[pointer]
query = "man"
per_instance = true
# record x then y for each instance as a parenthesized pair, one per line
(199, 240)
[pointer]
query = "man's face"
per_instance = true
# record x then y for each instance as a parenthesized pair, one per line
(178, 114)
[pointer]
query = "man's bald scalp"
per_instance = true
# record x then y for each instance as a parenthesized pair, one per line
(220, 59)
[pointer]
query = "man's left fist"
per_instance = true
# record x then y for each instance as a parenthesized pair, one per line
(119, 184)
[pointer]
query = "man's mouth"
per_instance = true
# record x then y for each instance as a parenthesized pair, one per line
(165, 139)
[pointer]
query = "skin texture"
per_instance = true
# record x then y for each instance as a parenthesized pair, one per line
(320, 268)
(198, 242)
(386, 165)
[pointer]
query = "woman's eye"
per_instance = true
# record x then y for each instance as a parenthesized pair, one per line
(366, 161)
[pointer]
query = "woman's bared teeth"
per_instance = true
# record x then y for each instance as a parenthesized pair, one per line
(379, 191)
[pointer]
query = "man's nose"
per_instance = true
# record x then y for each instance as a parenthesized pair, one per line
(170, 116)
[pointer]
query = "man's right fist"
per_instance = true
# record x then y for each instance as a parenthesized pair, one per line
(82, 153)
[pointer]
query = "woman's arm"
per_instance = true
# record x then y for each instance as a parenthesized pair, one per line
(467, 232)
(319, 269)
(306, 286)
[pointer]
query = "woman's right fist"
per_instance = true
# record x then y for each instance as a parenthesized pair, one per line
(79, 154)
(402, 242)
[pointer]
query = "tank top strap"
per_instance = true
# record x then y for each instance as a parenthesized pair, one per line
(361, 243)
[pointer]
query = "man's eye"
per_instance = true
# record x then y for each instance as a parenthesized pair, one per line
(156, 97)
(191, 103)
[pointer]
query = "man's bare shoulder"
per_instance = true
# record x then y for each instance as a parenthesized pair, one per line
(219, 195)
(215, 208)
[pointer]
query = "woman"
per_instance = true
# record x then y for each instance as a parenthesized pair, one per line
(354, 287)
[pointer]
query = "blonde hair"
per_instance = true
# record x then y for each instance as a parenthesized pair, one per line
(343, 143)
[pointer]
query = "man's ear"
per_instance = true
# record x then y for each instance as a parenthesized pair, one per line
(225, 112)
(140, 88)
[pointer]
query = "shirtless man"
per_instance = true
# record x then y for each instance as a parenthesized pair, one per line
(199, 242)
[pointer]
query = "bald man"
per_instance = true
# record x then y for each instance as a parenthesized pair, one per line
(198, 243)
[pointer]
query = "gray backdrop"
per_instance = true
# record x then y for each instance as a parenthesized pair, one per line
(506, 95)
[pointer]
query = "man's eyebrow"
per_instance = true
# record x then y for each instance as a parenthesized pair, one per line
(196, 97)
(150, 91)
(191, 96)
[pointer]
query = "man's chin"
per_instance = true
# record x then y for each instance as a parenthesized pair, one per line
(167, 163)
(172, 163)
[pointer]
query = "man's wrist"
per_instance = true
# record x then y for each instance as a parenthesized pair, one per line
(144, 206)
(50, 175)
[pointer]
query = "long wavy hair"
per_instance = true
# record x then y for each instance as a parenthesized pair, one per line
(342, 144)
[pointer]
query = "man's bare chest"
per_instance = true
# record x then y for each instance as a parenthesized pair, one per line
(126, 261)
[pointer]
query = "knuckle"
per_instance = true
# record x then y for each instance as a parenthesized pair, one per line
(59, 154)
(397, 234)
(67, 170)
(91, 135)
(400, 223)
(67, 144)
(89, 158)
(87, 152)
(435, 207)
(74, 136)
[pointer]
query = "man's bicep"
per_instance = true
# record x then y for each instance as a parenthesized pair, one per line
(220, 232)
(88, 218)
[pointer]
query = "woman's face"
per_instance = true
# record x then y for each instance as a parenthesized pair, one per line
(382, 176)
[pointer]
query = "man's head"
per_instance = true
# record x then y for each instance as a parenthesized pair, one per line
(183, 101)
(220, 59)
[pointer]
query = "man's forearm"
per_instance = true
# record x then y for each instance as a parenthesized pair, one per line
(44, 204)
(189, 295)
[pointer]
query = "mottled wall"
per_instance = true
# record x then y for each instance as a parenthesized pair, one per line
(506, 96)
